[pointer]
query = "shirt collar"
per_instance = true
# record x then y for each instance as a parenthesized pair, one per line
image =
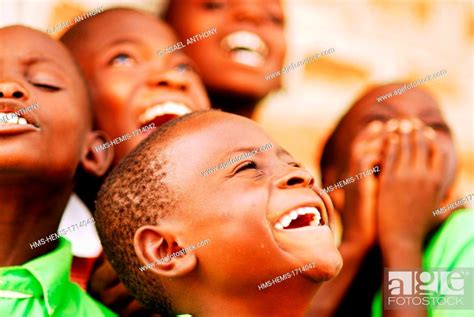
(47, 275)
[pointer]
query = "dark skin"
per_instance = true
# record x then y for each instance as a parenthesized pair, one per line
(414, 152)
(244, 200)
(39, 160)
(127, 76)
(232, 86)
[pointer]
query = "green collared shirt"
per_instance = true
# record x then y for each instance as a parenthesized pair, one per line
(451, 247)
(41, 287)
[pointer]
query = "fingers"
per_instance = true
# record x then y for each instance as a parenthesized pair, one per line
(420, 149)
(436, 156)
(391, 154)
(406, 151)
(367, 147)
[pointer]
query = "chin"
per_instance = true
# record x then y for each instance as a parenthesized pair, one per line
(246, 87)
(328, 265)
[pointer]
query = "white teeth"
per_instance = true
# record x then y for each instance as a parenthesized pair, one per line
(285, 221)
(248, 58)
(247, 47)
(292, 215)
(169, 107)
(279, 226)
(11, 118)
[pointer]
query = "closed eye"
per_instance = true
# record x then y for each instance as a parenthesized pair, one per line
(47, 87)
(295, 164)
(213, 5)
(440, 126)
(246, 166)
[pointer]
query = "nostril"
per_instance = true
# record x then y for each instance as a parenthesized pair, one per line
(1, 94)
(17, 94)
(162, 83)
(294, 181)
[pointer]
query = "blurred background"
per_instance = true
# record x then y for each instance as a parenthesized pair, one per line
(375, 41)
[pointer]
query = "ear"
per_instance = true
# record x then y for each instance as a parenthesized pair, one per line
(96, 162)
(157, 248)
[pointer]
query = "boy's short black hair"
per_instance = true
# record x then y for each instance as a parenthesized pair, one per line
(133, 195)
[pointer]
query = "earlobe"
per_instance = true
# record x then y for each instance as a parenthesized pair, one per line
(159, 252)
(96, 158)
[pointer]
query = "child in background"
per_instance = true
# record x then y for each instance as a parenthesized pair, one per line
(407, 137)
(249, 44)
(263, 216)
(40, 152)
(132, 87)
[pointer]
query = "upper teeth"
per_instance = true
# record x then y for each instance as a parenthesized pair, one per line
(248, 47)
(12, 118)
(169, 107)
(285, 220)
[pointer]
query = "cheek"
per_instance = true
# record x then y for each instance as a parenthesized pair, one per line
(280, 46)
(199, 95)
(111, 105)
(112, 90)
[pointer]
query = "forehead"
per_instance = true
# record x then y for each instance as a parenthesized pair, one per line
(21, 43)
(412, 103)
(211, 138)
(120, 26)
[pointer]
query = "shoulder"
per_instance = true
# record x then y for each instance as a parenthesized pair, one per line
(453, 244)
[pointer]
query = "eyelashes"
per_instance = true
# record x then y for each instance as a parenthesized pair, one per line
(47, 87)
(184, 67)
(246, 166)
(122, 59)
(251, 165)
(213, 5)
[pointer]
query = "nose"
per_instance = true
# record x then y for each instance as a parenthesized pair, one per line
(170, 80)
(295, 177)
(13, 90)
(249, 12)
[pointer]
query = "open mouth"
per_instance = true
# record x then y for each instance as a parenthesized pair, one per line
(246, 48)
(300, 217)
(11, 118)
(161, 113)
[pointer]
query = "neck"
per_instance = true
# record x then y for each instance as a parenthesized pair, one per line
(290, 298)
(29, 211)
(233, 103)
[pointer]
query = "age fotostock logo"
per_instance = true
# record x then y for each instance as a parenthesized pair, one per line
(437, 288)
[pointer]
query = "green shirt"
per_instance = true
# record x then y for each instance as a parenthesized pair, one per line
(451, 247)
(41, 287)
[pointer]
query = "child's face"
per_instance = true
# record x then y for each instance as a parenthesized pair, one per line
(131, 85)
(36, 69)
(238, 207)
(413, 104)
(249, 42)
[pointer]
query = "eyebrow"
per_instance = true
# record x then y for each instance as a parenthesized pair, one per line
(279, 151)
(122, 41)
(234, 151)
(37, 60)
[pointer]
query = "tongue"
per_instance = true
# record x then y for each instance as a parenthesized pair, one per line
(301, 221)
(161, 119)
